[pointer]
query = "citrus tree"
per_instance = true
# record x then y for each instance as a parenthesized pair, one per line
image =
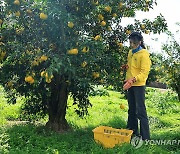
(157, 69)
(171, 63)
(51, 49)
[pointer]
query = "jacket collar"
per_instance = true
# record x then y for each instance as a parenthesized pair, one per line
(137, 49)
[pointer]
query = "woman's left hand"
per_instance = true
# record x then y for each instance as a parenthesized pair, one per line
(128, 83)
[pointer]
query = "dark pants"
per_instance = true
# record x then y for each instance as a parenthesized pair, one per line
(137, 110)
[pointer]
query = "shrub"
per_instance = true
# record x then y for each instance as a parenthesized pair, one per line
(165, 103)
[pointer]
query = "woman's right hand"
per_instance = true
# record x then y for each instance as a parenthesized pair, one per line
(124, 67)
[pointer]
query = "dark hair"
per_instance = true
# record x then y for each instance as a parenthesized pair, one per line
(137, 37)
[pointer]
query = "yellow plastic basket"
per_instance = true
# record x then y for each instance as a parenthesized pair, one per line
(109, 137)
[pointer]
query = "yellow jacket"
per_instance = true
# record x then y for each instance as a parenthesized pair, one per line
(139, 65)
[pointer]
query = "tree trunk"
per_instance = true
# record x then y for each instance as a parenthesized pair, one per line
(57, 107)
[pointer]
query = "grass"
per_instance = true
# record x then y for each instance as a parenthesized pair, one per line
(8, 111)
(28, 138)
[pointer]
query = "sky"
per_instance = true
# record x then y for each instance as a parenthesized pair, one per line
(170, 10)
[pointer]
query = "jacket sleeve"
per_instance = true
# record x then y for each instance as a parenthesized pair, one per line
(129, 55)
(145, 67)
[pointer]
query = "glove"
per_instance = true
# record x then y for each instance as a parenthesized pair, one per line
(128, 83)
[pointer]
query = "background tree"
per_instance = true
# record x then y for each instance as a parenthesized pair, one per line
(171, 62)
(156, 73)
(51, 49)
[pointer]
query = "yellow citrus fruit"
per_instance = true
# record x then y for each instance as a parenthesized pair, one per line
(32, 81)
(146, 9)
(103, 23)
(84, 64)
(147, 31)
(17, 14)
(121, 4)
(1, 21)
(43, 16)
(122, 106)
(43, 58)
(2, 55)
(29, 79)
(97, 37)
(46, 75)
(29, 11)
(48, 80)
(114, 15)
(33, 74)
(128, 32)
(19, 31)
(120, 45)
(100, 17)
(101, 81)
(85, 49)
(157, 69)
(51, 76)
(16, 2)
(143, 26)
(9, 84)
(109, 28)
(35, 63)
(42, 73)
(95, 2)
(9, 13)
(108, 9)
(73, 51)
(70, 24)
(95, 75)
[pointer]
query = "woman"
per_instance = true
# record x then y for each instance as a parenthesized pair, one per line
(138, 68)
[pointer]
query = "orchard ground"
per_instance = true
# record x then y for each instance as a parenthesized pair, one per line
(25, 137)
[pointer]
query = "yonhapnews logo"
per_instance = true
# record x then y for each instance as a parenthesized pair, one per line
(136, 142)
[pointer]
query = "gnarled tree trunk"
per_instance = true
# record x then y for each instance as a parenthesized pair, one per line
(57, 106)
(59, 95)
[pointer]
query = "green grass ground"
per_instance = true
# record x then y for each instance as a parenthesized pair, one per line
(25, 138)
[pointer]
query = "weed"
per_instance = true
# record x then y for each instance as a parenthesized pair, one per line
(28, 138)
